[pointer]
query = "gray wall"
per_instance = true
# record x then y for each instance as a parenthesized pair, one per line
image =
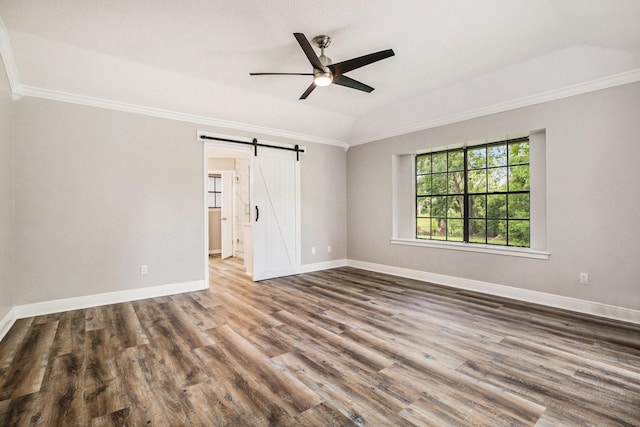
(324, 203)
(100, 192)
(6, 195)
(593, 200)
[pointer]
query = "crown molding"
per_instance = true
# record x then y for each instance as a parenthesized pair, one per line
(18, 90)
(54, 95)
(9, 62)
(631, 76)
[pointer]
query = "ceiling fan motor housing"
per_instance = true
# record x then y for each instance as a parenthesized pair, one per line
(323, 77)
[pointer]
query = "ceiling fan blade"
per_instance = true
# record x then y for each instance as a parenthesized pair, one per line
(353, 84)
(361, 61)
(308, 50)
(281, 74)
(310, 89)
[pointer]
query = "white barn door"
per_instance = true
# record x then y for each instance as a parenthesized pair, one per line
(276, 213)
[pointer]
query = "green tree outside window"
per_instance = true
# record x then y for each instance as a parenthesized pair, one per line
(477, 194)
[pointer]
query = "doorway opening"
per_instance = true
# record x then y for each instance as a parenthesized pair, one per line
(260, 209)
(228, 201)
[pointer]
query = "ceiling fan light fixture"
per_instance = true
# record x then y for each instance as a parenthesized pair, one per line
(322, 78)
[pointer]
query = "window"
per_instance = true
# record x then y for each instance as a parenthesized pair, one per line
(475, 194)
(214, 188)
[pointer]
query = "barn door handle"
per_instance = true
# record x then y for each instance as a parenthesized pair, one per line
(257, 213)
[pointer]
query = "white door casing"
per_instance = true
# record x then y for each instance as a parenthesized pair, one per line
(227, 213)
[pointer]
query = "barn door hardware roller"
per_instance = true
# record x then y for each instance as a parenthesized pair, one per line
(255, 144)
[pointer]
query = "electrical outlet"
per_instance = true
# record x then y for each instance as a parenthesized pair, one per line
(144, 269)
(313, 250)
(584, 278)
(329, 248)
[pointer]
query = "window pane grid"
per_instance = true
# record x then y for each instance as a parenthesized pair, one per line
(214, 190)
(477, 194)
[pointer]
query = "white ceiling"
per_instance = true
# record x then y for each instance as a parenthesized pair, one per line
(454, 58)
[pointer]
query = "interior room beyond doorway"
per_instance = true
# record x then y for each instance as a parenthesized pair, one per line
(229, 200)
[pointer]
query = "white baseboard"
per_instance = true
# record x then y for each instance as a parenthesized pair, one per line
(7, 322)
(304, 268)
(77, 303)
(550, 300)
(318, 266)
(214, 251)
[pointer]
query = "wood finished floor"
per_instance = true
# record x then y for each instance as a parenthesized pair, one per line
(342, 347)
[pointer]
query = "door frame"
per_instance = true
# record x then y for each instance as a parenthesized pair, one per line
(205, 162)
(233, 238)
(209, 174)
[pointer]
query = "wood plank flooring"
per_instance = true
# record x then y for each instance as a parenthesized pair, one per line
(342, 347)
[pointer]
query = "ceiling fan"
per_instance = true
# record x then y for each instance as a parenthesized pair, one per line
(324, 72)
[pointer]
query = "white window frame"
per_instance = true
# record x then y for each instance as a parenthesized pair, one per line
(403, 203)
(216, 177)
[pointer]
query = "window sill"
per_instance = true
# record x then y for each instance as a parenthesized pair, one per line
(473, 247)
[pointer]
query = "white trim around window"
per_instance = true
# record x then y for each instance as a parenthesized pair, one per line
(403, 206)
(474, 247)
